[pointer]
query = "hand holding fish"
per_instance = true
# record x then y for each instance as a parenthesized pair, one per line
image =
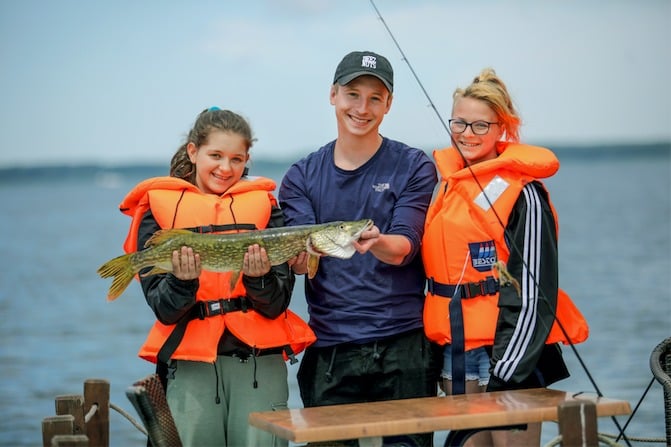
(388, 248)
(186, 264)
(367, 239)
(299, 264)
(230, 252)
(256, 262)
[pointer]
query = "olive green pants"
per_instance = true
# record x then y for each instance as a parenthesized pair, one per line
(210, 403)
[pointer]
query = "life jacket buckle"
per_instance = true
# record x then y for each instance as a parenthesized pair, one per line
(290, 354)
(205, 229)
(222, 306)
(487, 286)
(490, 286)
(472, 289)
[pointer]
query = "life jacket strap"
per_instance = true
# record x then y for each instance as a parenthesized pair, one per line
(291, 355)
(222, 306)
(488, 286)
(458, 344)
(201, 310)
(219, 228)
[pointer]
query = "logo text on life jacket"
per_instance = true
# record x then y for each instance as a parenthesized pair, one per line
(483, 255)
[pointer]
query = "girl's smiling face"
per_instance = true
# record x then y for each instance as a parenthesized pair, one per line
(219, 162)
(476, 148)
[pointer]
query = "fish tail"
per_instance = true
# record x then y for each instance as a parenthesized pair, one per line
(121, 269)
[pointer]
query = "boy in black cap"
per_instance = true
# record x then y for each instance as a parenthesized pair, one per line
(359, 63)
(367, 310)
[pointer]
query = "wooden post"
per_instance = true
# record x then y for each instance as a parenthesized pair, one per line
(72, 404)
(70, 441)
(56, 425)
(96, 411)
(578, 424)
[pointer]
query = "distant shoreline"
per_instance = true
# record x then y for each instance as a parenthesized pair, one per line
(262, 166)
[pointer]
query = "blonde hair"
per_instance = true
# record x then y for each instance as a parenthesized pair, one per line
(488, 87)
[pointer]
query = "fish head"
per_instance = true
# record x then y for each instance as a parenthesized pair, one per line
(335, 239)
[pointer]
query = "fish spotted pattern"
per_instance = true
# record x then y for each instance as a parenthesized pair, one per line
(225, 252)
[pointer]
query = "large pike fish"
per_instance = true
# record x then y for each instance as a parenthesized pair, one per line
(225, 252)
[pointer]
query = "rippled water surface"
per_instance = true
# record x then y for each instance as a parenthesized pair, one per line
(58, 330)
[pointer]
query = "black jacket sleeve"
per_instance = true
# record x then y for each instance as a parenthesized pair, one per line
(171, 298)
(525, 318)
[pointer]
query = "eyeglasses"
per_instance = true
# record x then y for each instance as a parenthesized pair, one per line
(478, 127)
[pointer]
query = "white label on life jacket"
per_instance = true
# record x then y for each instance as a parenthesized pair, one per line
(491, 193)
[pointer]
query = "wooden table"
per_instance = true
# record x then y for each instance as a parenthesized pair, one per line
(370, 421)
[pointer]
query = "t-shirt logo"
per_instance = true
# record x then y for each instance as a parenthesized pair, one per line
(483, 255)
(369, 62)
(381, 187)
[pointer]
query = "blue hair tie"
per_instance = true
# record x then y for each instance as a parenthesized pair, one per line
(213, 109)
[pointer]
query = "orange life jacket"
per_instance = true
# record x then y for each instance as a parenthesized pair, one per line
(176, 203)
(454, 254)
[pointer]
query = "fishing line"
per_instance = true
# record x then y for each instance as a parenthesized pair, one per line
(435, 109)
(500, 221)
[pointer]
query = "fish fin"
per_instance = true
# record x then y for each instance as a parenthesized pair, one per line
(121, 269)
(162, 235)
(155, 271)
(505, 278)
(313, 264)
(344, 252)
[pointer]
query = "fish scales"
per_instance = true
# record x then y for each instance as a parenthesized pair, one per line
(225, 252)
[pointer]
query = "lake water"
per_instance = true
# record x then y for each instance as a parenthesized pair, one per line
(57, 329)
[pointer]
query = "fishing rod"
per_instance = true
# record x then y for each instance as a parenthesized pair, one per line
(500, 221)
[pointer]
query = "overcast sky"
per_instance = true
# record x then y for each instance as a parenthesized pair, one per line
(120, 81)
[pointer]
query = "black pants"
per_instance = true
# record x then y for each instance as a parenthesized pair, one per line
(398, 367)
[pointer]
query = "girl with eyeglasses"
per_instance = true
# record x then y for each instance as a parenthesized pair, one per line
(490, 255)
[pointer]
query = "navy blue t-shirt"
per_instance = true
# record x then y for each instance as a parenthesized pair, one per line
(361, 298)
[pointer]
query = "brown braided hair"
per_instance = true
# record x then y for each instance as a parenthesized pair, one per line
(208, 120)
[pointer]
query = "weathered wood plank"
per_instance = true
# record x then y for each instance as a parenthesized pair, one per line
(578, 424)
(56, 425)
(72, 404)
(421, 415)
(70, 441)
(96, 406)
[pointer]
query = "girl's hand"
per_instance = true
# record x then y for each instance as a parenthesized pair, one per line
(186, 264)
(256, 262)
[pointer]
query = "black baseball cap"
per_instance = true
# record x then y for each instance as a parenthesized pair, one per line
(359, 63)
